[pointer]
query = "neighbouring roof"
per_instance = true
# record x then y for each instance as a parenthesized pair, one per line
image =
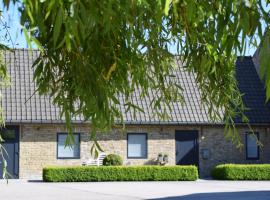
(252, 88)
(22, 104)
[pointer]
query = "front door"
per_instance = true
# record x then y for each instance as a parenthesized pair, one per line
(187, 149)
(10, 135)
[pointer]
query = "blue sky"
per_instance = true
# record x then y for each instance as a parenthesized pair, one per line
(12, 16)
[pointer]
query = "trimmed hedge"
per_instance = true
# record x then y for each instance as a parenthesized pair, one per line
(242, 172)
(120, 173)
(112, 160)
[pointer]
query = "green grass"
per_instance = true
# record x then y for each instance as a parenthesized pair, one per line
(242, 172)
(120, 173)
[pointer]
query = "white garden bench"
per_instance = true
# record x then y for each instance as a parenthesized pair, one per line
(95, 162)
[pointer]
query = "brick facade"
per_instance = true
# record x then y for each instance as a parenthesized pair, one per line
(223, 151)
(38, 146)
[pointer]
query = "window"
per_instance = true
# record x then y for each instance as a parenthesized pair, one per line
(252, 148)
(8, 134)
(137, 145)
(68, 151)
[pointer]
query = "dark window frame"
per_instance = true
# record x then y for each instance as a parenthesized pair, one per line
(63, 158)
(146, 138)
(258, 148)
(16, 129)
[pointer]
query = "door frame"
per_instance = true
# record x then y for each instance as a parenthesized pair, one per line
(197, 144)
(16, 154)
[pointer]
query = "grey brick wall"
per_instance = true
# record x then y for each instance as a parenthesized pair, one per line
(224, 151)
(38, 146)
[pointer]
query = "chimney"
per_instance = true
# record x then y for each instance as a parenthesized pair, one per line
(256, 60)
(264, 44)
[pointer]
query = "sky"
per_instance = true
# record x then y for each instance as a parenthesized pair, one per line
(12, 19)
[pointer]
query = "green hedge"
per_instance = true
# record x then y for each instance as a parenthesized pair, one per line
(120, 173)
(242, 172)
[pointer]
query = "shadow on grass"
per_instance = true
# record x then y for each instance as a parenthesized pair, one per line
(245, 195)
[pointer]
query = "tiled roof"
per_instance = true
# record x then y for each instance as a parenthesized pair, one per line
(22, 104)
(189, 112)
(253, 91)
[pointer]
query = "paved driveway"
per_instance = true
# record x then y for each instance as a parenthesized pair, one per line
(201, 190)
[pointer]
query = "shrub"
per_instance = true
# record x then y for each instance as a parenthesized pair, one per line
(242, 172)
(112, 160)
(120, 173)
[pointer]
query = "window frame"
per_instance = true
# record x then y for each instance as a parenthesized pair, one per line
(63, 158)
(10, 140)
(258, 148)
(146, 138)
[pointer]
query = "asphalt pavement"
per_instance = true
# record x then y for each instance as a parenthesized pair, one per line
(197, 190)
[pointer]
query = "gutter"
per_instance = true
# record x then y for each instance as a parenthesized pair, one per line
(133, 123)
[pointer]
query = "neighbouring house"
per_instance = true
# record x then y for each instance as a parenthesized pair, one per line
(35, 135)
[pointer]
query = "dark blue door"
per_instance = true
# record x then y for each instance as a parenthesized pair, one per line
(187, 149)
(10, 135)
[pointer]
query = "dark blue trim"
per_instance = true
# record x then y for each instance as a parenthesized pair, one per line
(258, 149)
(78, 157)
(146, 137)
(16, 141)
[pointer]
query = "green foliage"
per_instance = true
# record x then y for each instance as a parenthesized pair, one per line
(242, 172)
(93, 51)
(4, 83)
(264, 62)
(120, 173)
(112, 160)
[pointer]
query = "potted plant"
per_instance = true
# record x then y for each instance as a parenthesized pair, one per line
(160, 158)
(165, 158)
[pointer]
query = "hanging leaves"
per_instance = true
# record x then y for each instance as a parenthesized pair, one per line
(93, 51)
(57, 26)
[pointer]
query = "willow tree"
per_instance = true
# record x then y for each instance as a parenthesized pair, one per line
(91, 51)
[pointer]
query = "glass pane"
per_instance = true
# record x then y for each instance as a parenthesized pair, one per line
(137, 145)
(69, 151)
(252, 148)
(8, 134)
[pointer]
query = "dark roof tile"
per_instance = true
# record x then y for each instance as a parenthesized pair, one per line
(22, 104)
(252, 88)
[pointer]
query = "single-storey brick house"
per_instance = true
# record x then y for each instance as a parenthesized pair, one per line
(35, 134)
